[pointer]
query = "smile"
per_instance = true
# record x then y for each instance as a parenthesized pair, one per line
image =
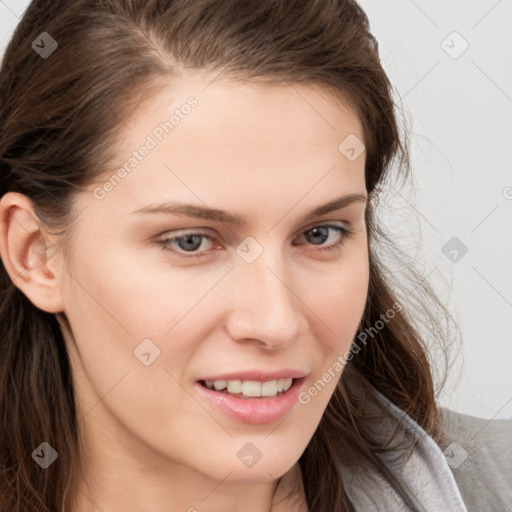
(250, 388)
(255, 408)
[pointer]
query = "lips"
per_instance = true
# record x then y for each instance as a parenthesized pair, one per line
(258, 375)
(256, 411)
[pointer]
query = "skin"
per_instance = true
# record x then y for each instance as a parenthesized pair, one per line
(270, 154)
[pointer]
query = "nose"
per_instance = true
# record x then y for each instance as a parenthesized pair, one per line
(264, 307)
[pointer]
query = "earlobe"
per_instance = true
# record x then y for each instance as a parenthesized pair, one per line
(28, 255)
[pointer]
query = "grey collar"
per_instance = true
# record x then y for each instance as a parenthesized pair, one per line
(426, 474)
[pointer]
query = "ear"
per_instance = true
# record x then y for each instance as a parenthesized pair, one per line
(28, 255)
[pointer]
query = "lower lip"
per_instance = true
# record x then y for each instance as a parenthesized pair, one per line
(256, 411)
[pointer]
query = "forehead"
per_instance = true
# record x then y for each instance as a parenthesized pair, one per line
(226, 139)
(246, 111)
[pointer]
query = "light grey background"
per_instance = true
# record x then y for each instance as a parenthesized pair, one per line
(460, 111)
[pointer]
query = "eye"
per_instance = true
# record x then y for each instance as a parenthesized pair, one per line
(321, 233)
(191, 242)
(188, 243)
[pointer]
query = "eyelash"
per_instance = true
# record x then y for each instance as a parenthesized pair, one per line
(344, 232)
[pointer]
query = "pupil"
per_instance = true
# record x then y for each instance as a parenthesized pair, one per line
(189, 239)
(317, 232)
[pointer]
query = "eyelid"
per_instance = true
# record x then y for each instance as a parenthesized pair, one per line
(177, 233)
(213, 234)
(325, 222)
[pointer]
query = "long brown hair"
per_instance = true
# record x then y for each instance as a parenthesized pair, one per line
(60, 117)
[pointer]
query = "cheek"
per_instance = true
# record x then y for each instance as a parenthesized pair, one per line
(128, 288)
(121, 309)
(113, 313)
(340, 308)
(339, 301)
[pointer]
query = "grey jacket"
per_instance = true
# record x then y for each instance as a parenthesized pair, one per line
(473, 473)
(484, 478)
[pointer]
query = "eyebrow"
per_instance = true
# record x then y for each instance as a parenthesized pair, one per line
(203, 212)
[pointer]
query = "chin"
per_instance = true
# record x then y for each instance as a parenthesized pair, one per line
(263, 470)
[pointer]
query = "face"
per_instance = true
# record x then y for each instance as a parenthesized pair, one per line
(160, 300)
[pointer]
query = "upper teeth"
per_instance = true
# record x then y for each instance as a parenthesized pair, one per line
(251, 387)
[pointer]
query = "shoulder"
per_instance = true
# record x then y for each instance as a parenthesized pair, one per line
(479, 453)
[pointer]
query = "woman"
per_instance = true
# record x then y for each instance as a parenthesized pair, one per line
(194, 315)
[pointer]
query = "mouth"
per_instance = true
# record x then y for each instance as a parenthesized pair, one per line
(256, 402)
(250, 389)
